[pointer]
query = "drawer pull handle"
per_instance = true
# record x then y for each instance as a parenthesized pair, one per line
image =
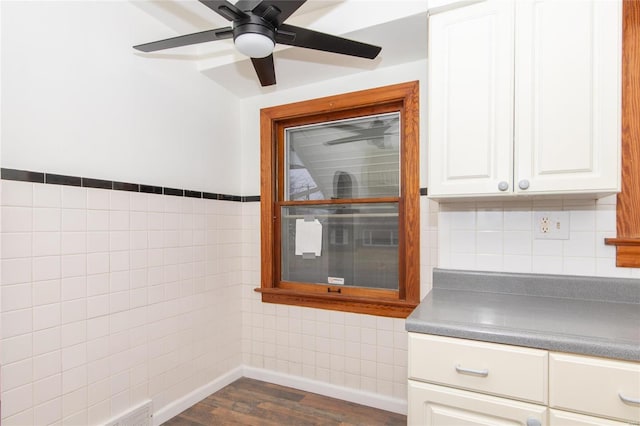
(628, 400)
(480, 373)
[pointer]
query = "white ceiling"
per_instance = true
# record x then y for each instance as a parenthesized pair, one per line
(398, 26)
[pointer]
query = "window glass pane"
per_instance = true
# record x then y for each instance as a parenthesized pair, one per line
(355, 158)
(346, 244)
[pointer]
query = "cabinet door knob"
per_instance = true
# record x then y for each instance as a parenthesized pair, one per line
(503, 185)
(533, 422)
(523, 184)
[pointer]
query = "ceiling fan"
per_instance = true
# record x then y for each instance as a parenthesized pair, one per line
(257, 25)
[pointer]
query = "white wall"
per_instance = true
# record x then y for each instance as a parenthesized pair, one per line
(77, 100)
(250, 108)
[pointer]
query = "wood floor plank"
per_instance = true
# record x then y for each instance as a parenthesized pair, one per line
(253, 402)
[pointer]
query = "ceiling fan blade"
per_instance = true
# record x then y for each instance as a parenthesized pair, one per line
(326, 42)
(247, 5)
(277, 11)
(185, 40)
(225, 9)
(265, 69)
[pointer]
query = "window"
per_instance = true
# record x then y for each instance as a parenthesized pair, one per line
(340, 202)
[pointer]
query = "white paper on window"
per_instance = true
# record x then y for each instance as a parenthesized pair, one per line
(308, 237)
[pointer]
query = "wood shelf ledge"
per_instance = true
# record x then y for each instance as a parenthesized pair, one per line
(627, 251)
(622, 241)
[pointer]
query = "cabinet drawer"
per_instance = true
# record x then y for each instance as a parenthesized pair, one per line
(434, 405)
(595, 386)
(566, 418)
(492, 368)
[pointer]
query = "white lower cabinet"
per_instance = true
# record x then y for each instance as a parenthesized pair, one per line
(459, 382)
(433, 405)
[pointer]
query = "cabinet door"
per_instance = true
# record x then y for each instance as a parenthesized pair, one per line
(470, 99)
(432, 405)
(567, 95)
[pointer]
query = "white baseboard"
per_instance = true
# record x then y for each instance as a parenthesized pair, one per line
(348, 394)
(179, 405)
(327, 389)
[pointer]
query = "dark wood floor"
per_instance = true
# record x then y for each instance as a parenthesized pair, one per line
(252, 402)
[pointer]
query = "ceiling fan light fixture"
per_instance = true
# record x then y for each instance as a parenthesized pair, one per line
(254, 45)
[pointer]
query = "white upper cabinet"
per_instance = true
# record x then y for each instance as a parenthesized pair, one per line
(524, 98)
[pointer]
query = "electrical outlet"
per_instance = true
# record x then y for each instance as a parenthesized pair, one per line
(551, 225)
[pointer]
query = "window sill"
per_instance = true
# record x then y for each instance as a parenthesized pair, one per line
(361, 305)
(627, 251)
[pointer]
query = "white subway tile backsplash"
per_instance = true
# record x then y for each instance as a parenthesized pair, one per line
(581, 244)
(490, 220)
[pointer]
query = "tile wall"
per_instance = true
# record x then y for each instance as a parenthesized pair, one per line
(111, 297)
(499, 236)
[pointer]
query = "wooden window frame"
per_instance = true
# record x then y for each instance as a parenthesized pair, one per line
(627, 241)
(399, 97)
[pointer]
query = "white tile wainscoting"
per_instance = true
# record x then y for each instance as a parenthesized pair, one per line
(112, 297)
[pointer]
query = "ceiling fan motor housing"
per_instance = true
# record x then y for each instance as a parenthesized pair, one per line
(246, 41)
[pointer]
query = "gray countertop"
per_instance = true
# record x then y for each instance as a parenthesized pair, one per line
(583, 315)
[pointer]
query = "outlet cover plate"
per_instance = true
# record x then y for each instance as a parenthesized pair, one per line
(551, 225)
